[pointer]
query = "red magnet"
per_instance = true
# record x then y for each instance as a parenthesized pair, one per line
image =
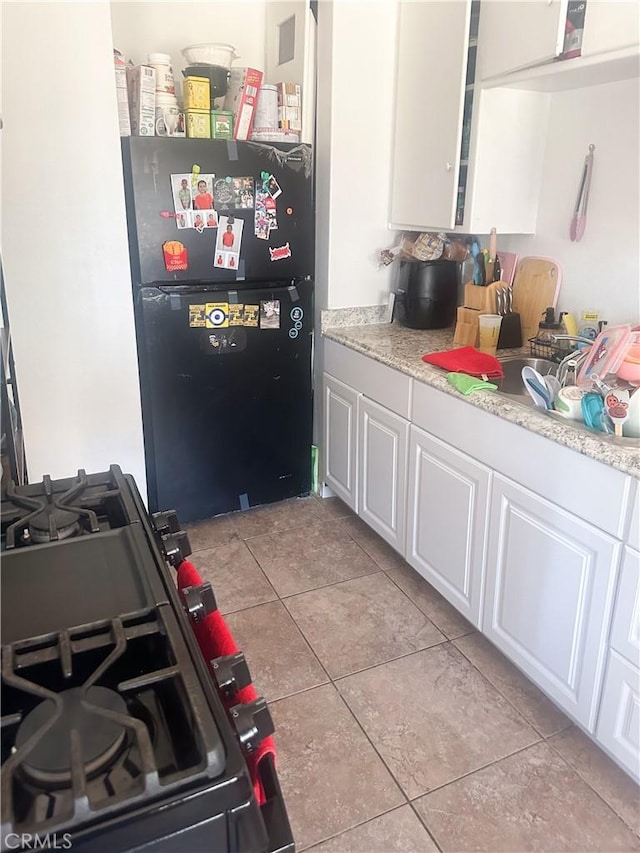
(175, 256)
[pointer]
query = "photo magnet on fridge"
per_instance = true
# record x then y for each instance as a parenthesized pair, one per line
(273, 187)
(270, 314)
(202, 193)
(181, 192)
(251, 315)
(198, 221)
(228, 242)
(197, 316)
(184, 220)
(236, 314)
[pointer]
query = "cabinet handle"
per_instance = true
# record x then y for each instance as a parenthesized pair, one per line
(449, 166)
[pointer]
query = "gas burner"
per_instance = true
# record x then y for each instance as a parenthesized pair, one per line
(53, 523)
(101, 739)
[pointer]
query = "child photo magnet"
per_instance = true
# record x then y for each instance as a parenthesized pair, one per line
(181, 191)
(202, 192)
(228, 241)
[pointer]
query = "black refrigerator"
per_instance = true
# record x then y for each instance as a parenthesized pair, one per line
(221, 237)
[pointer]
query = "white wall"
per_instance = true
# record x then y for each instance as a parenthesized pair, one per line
(602, 271)
(64, 241)
(355, 82)
(155, 26)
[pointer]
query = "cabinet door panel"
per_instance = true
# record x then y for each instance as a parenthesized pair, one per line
(382, 467)
(549, 594)
(613, 25)
(340, 439)
(625, 630)
(619, 720)
(516, 35)
(430, 81)
(447, 509)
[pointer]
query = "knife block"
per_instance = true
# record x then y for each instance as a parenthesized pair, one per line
(477, 300)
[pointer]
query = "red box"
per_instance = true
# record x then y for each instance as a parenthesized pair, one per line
(241, 99)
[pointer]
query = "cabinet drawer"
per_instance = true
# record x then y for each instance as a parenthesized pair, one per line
(587, 488)
(386, 386)
(625, 629)
(619, 721)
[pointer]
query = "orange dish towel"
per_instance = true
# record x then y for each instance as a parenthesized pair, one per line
(466, 360)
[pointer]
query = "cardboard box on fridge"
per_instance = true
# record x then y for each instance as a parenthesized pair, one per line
(289, 94)
(241, 99)
(290, 118)
(122, 96)
(141, 84)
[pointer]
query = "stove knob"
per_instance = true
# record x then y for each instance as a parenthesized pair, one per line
(166, 522)
(176, 547)
(231, 673)
(199, 601)
(253, 723)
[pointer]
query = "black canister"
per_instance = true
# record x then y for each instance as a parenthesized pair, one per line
(427, 294)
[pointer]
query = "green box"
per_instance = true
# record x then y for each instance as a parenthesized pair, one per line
(221, 124)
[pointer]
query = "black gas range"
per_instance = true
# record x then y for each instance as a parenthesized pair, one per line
(114, 733)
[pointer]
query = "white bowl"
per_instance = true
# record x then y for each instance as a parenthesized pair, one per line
(214, 53)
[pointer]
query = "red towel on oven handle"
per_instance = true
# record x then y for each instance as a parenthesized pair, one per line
(466, 360)
(216, 640)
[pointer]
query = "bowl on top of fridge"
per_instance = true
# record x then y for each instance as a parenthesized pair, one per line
(210, 53)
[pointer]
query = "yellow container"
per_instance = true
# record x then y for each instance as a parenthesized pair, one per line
(198, 124)
(196, 92)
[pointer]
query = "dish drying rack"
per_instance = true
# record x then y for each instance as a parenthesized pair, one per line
(544, 348)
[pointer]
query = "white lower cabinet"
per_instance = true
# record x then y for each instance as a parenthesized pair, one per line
(619, 721)
(340, 435)
(549, 594)
(446, 520)
(382, 471)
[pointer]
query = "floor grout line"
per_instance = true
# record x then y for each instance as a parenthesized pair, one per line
(590, 786)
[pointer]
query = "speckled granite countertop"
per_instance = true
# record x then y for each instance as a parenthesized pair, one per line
(402, 348)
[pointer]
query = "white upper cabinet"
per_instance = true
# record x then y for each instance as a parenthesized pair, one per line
(610, 25)
(464, 159)
(517, 34)
(431, 74)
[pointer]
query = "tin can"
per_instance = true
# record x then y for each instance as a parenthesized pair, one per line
(198, 124)
(266, 114)
(196, 92)
(221, 124)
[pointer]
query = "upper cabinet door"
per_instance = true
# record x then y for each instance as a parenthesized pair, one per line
(290, 53)
(613, 25)
(430, 81)
(517, 34)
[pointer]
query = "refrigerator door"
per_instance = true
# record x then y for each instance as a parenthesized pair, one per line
(154, 203)
(227, 408)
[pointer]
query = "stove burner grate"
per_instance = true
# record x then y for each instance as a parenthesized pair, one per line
(50, 517)
(49, 762)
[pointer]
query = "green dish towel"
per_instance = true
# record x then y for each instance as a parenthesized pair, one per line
(466, 384)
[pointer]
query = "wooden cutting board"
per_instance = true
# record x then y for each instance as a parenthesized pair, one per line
(536, 285)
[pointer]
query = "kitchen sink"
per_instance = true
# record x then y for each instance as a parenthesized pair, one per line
(511, 384)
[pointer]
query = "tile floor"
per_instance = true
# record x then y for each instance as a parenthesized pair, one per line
(398, 726)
